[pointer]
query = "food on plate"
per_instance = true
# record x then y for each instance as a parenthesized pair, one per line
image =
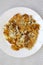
(21, 31)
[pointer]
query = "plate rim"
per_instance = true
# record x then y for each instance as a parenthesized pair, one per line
(26, 8)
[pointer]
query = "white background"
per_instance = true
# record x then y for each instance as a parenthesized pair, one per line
(36, 59)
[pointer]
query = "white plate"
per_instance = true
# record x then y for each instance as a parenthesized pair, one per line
(5, 46)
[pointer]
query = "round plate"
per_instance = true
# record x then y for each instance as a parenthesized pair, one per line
(5, 46)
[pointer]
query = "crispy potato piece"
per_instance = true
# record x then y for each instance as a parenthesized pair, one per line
(17, 17)
(22, 28)
(28, 28)
(31, 44)
(10, 40)
(25, 18)
(15, 47)
(6, 32)
(35, 26)
(18, 36)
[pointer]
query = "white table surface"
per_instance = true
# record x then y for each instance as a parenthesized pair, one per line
(36, 59)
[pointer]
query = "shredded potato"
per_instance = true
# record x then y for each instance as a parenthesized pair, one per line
(21, 31)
